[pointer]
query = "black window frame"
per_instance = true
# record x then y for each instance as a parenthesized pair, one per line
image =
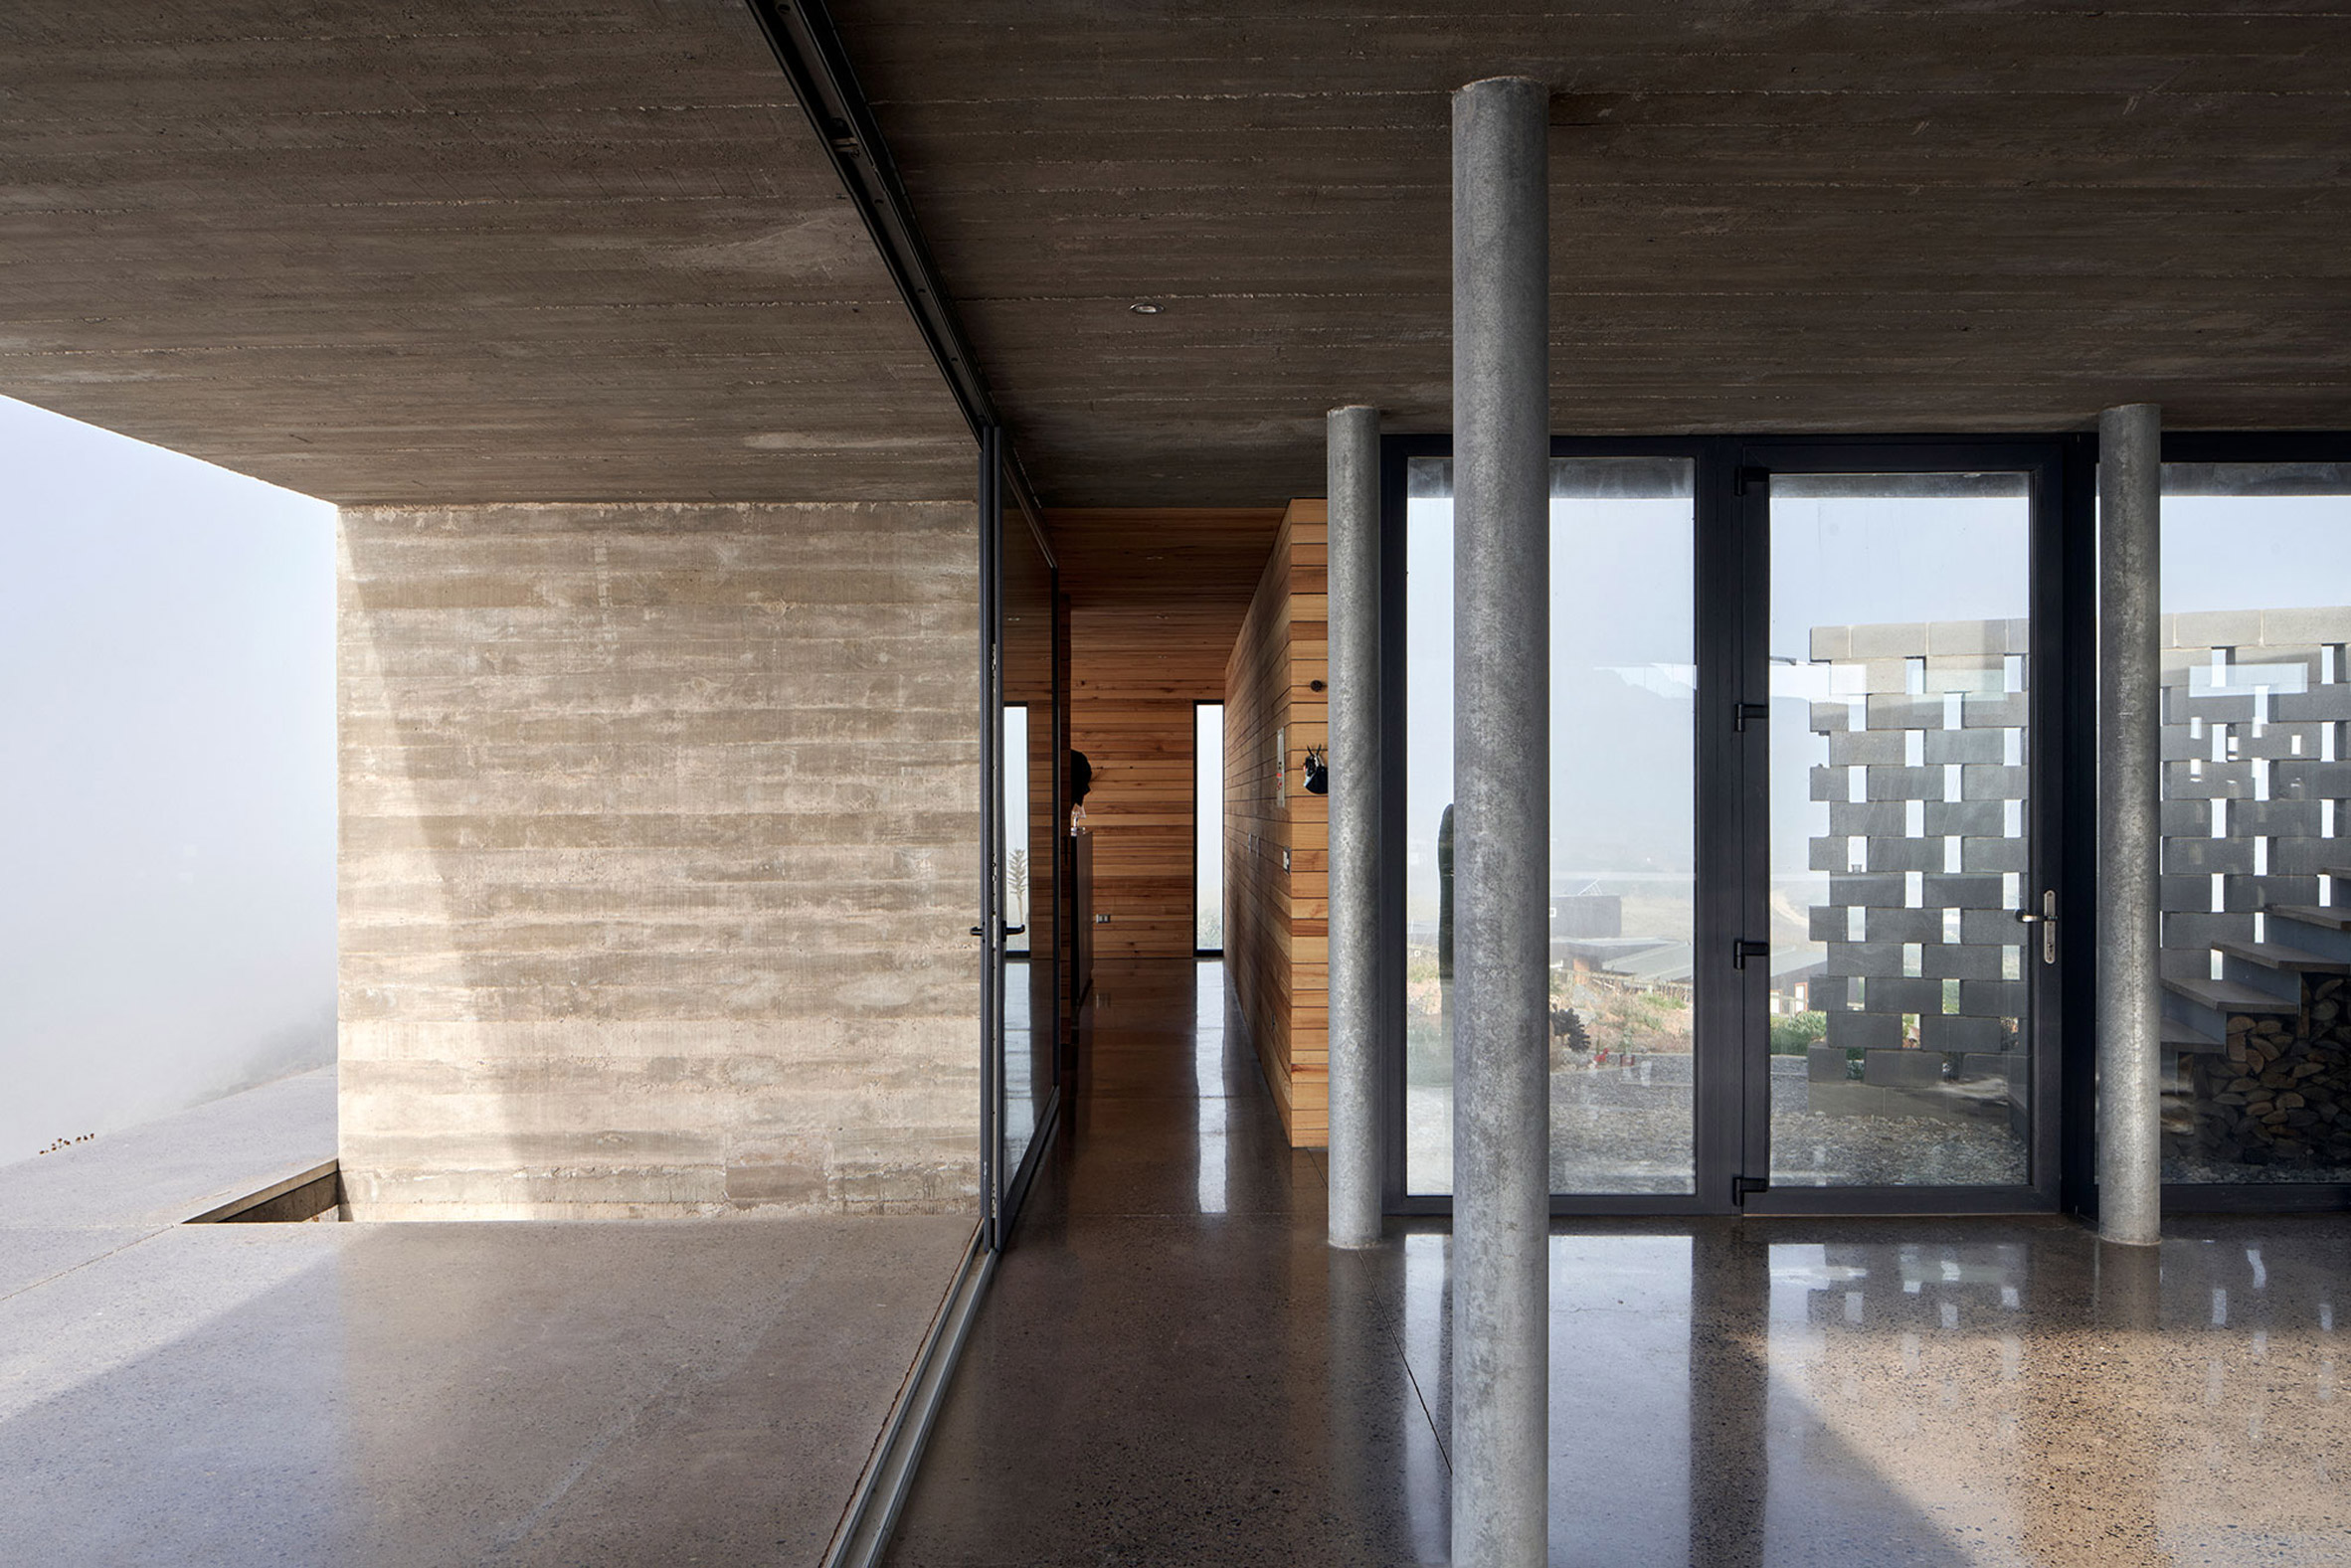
(1731, 535)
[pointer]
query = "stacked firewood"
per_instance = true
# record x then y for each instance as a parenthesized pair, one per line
(2281, 1093)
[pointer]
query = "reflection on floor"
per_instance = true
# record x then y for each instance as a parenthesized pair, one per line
(1172, 1368)
(1624, 1124)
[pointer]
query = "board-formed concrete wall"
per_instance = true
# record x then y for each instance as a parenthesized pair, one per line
(659, 850)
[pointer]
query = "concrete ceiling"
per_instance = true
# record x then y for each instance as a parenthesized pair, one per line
(589, 249)
(1971, 216)
(442, 252)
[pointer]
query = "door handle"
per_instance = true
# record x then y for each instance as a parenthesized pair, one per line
(1748, 947)
(2047, 920)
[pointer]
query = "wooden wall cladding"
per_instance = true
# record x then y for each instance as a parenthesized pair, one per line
(1277, 863)
(1133, 689)
(1157, 600)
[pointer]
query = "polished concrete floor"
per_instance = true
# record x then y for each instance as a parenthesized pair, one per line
(1171, 1368)
(399, 1394)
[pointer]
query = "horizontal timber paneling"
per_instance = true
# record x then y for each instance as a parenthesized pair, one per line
(1157, 599)
(1277, 835)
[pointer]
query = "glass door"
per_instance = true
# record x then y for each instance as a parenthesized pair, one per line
(1020, 751)
(1809, 730)
(1899, 950)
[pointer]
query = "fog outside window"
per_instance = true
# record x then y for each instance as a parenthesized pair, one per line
(167, 814)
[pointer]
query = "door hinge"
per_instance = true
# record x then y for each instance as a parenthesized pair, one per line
(1745, 713)
(1748, 947)
(1740, 1186)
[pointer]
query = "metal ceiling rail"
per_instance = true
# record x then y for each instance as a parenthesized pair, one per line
(808, 47)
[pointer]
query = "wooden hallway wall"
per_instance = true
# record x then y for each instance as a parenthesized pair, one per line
(1157, 599)
(1277, 865)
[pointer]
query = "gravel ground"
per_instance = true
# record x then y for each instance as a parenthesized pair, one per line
(2194, 1168)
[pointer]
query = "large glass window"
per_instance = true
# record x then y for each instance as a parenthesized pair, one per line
(2256, 770)
(1623, 681)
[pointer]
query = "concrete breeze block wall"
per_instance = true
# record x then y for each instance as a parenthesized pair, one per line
(1919, 755)
(2257, 766)
(1919, 762)
(659, 846)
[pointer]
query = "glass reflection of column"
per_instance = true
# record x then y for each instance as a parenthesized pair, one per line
(2091, 1436)
(1428, 1351)
(1371, 1426)
(1730, 1396)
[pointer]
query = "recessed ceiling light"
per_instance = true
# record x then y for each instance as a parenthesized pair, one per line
(1144, 307)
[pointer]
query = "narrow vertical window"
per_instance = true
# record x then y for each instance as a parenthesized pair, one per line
(1208, 818)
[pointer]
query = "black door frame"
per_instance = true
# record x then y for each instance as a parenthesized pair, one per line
(1731, 530)
(1005, 1184)
(2047, 727)
(1715, 1109)
(993, 1222)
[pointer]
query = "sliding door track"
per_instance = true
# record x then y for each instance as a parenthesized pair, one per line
(808, 47)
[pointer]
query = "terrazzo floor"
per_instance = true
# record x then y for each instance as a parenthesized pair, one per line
(380, 1395)
(1173, 1369)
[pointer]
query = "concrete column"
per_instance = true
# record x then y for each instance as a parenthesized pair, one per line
(2130, 726)
(1355, 765)
(1501, 843)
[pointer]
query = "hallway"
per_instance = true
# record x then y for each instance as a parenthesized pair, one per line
(1172, 1368)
